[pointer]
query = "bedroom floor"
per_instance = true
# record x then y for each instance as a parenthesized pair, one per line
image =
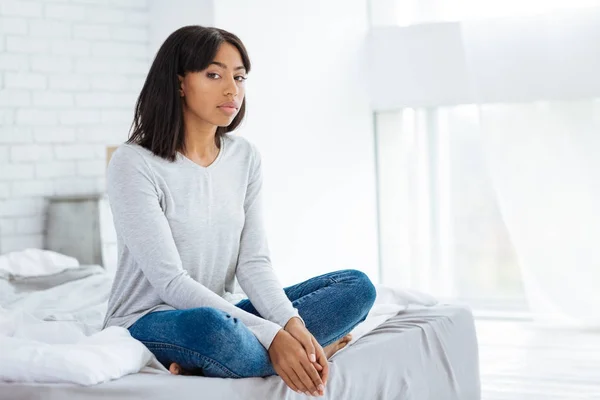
(519, 362)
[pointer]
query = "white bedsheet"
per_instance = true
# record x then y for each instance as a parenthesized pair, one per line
(50, 329)
(423, 353)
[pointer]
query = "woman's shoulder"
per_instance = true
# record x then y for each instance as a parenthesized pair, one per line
(129, 161)
(131, 154)
(130, 151)
(242, 144)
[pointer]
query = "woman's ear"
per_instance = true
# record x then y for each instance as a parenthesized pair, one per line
(180, 78)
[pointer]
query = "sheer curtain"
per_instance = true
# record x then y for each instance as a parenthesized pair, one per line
(497, 205)
(544, 160)
(442, 230)
(488, 137)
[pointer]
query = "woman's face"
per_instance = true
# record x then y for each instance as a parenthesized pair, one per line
(215, 94)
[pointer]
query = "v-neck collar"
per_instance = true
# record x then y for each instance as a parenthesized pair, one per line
(212, 165)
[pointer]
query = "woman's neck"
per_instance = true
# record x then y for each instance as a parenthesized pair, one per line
(200, 139)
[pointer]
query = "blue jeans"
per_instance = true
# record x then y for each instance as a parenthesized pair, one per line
(206, 341)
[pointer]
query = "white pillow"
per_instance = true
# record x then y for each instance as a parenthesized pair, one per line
(35, 262)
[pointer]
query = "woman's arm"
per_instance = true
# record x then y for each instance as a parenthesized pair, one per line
(144, 229)
(254, 271)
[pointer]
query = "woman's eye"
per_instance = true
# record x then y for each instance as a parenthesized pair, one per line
(213, 75)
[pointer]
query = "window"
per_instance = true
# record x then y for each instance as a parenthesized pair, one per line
(441, 228)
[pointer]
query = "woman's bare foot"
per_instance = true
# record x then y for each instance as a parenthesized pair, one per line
(175, 369)
(334, 347)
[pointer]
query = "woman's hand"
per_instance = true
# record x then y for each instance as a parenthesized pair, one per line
(313, 349)
(291, 363)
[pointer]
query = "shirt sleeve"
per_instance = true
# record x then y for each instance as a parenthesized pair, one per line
(143, 227)
(254, 271)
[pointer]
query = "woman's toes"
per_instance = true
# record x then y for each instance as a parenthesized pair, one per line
(346, 339)
(344, 342)
(175, 369)
(333, 348)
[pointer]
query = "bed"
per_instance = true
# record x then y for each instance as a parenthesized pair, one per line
(421, 353)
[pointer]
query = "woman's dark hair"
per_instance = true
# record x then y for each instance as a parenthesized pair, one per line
(158, 120)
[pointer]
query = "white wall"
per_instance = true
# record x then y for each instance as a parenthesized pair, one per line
(70, 73)
(309, 114)
(168, 16)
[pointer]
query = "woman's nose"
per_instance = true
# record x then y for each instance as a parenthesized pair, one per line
(231, 87)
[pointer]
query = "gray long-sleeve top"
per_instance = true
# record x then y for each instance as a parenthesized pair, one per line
(185, 232)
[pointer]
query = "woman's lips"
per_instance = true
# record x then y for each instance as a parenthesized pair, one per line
(228, 110)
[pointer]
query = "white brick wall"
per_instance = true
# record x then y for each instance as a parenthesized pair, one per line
(70, 72)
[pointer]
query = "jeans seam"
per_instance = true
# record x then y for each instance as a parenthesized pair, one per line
(314, 292)
(161, 345)
(301, 299)
(343, 334)
(333, 281)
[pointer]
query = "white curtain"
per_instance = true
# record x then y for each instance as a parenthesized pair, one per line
(489, 165)
(497, 205)
(544, 163)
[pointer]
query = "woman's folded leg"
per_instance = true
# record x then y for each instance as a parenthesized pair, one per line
(206, 341)
(331, 304)
(203, 341)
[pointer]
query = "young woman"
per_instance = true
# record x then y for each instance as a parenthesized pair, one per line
(186, 200)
